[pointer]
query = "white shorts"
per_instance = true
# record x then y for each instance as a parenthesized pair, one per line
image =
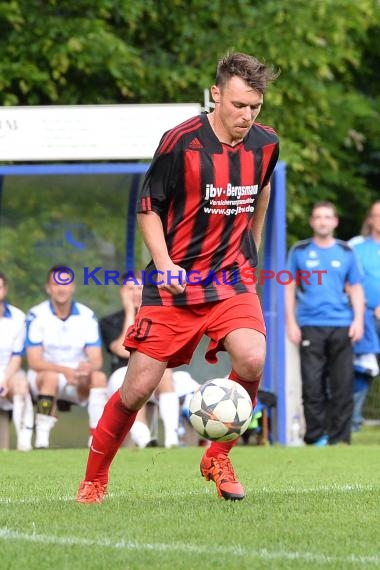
(66, 391)
(117, 378)
(184, 383)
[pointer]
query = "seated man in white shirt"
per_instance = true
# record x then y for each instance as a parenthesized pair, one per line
(14, 391)
(64, 355)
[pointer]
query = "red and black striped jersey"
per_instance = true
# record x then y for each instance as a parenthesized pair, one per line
(205, 192)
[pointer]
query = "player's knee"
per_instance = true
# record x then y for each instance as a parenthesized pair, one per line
(251, 365)
(47, 381)
(135, 398)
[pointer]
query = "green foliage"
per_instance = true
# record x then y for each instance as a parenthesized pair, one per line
(65, 52)
(325, 104)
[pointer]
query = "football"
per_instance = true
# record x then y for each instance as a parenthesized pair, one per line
(220, 410)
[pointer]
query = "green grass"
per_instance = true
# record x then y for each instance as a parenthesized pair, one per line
(368, 435)
(305, 508)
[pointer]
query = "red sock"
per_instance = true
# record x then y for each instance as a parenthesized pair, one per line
(109, 434)
(252, 386)
(224, 447)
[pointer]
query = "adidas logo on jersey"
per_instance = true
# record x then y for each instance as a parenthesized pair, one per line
(195, 144)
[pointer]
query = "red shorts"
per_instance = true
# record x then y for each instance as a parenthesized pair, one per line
(171, 334)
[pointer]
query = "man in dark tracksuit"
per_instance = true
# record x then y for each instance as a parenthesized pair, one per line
(324, 314)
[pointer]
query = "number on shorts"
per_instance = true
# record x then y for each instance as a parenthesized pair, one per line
(143, 328)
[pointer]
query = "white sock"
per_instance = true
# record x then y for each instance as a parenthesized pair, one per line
(28, 418)
(44, 424)
(168, 404)
(18, 412)
(97, 399)
(23, 413)
(140, 434)
(24, 436)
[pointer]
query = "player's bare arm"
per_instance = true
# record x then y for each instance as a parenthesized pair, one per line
(260, 212)
(116, 346)
(153, 235)
(129, 306)
(292, 328)
(95, 359)
(358, 304)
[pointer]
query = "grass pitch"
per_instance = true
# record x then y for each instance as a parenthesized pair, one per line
(305, 508)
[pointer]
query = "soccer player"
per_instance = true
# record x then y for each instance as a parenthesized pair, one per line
(64, 356)
(325, 322)
(201, 211)
(14, 390)
(113, 329)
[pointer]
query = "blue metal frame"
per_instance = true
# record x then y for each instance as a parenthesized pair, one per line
(83, 168)
(274, 258)
(131, 224)
(274, 297)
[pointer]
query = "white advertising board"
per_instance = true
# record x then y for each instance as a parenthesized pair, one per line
(87, 132)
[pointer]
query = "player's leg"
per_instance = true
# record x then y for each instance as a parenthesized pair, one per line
(140, 432)
(341, 375)
(142, 378)
(237, 326)
(168, 405)
(23, 413)
(160, 335)
(313, 372)
(47, 387)
(246, 348)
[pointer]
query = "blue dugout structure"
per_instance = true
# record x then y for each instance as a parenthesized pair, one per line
(274, 260)
(274, 256)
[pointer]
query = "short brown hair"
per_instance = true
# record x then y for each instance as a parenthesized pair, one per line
(54, 269)
(5, 280)
(324, 204)
(256, 74)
